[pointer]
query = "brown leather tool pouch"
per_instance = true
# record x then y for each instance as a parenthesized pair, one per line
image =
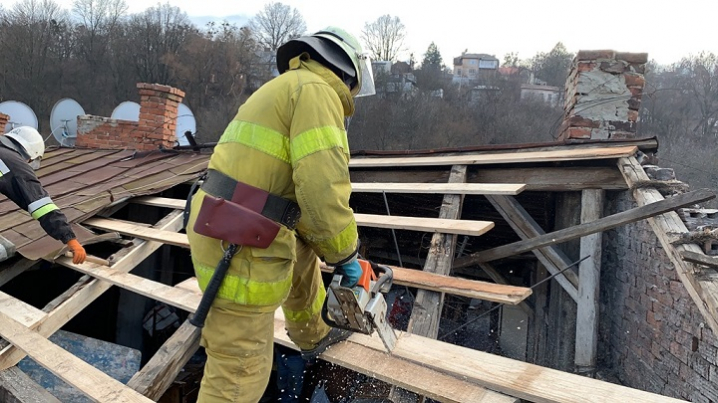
(222, 219)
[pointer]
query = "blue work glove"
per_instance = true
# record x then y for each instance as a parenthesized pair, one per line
(351, 273)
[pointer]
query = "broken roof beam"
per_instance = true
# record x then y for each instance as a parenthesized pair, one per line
(526, 228)
(655, 208)
(573, 154)
(95, 384)
(162, 369)
(462, 227)
(428, 305)
(702, 289)
(63, 308)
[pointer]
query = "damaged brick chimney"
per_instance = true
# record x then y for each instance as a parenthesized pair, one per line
(155, 128)
(603, 95)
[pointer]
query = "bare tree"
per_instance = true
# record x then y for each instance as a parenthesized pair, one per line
(155, 37)
(28, 36)
(276, 24)
(384, 38)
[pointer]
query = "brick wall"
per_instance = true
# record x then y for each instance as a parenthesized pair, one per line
(603, 95)
(155, 128)
(652, 336)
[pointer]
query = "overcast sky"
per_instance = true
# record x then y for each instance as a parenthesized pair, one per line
(666, 30)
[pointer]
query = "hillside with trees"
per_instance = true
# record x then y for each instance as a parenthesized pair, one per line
(96, 52)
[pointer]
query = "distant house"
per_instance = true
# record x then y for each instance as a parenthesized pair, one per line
(474, 67)
(545, 93)
(394, 78)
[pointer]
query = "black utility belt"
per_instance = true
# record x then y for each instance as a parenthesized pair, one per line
(276, 208)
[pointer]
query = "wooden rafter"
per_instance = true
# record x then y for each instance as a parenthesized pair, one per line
(94, 383)
(428, 305)
(65, 307)
(526, 228)
(498, 158)
(450, 226)
(626, 217)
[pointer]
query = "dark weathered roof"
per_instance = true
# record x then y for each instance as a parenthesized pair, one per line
(84, 181)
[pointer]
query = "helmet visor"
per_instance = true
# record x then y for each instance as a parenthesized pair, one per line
(367, 77)
(35, 164)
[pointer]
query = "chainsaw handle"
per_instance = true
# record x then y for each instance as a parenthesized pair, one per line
(326, 317)
(383, 283)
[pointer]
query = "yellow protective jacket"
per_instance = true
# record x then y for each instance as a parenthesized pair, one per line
(288, 138)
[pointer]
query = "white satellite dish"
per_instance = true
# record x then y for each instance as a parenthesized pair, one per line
(63, 121)
(20, 115)
(127, 110)
(185, 123)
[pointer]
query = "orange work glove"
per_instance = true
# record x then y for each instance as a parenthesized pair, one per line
(78, 252)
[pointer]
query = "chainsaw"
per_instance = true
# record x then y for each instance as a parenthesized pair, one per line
(361, 308)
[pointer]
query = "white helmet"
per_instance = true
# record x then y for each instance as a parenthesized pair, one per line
(30, 140)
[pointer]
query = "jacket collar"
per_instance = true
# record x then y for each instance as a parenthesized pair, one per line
(304, 61)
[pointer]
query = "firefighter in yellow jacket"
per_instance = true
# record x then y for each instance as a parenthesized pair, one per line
(278, 185)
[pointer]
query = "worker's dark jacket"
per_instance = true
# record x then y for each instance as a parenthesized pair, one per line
(20, 184)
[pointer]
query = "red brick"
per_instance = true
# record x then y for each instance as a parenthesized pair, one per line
(584, 66)
(636, 58)
(633, 116)
(636, 91)
(637, 80)
(595, 54)
(579, 133)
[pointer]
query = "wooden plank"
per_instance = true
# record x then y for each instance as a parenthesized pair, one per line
(504, 294)
(497, 158)
(436, 225)
(545, 178)
(553, 179)
(526, 228)
(162, 369)
(17, 387)
(18, 310)
(89, 380)
(428, 305)
(441, 188)
(515, 378)
(589, 277)
(703, 291)
(378, 364)
(462, 227)
(63, 308)
(699, 258)
(139, 231)
(603, 224)
(412, 278)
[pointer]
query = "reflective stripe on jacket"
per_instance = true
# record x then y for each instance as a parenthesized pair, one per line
(288, 138)
(19, 183)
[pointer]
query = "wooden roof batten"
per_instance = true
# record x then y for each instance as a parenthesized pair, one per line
(455, 376)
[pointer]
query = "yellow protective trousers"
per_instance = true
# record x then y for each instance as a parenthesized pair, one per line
(238, 338)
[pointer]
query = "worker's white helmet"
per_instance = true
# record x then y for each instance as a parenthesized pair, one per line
(30, 141)
(336, 48)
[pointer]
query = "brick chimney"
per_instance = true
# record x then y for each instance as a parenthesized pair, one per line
(3, 121)
(155, 128)
(603, 95)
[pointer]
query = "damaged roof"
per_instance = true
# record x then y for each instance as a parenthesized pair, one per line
(82, 182)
